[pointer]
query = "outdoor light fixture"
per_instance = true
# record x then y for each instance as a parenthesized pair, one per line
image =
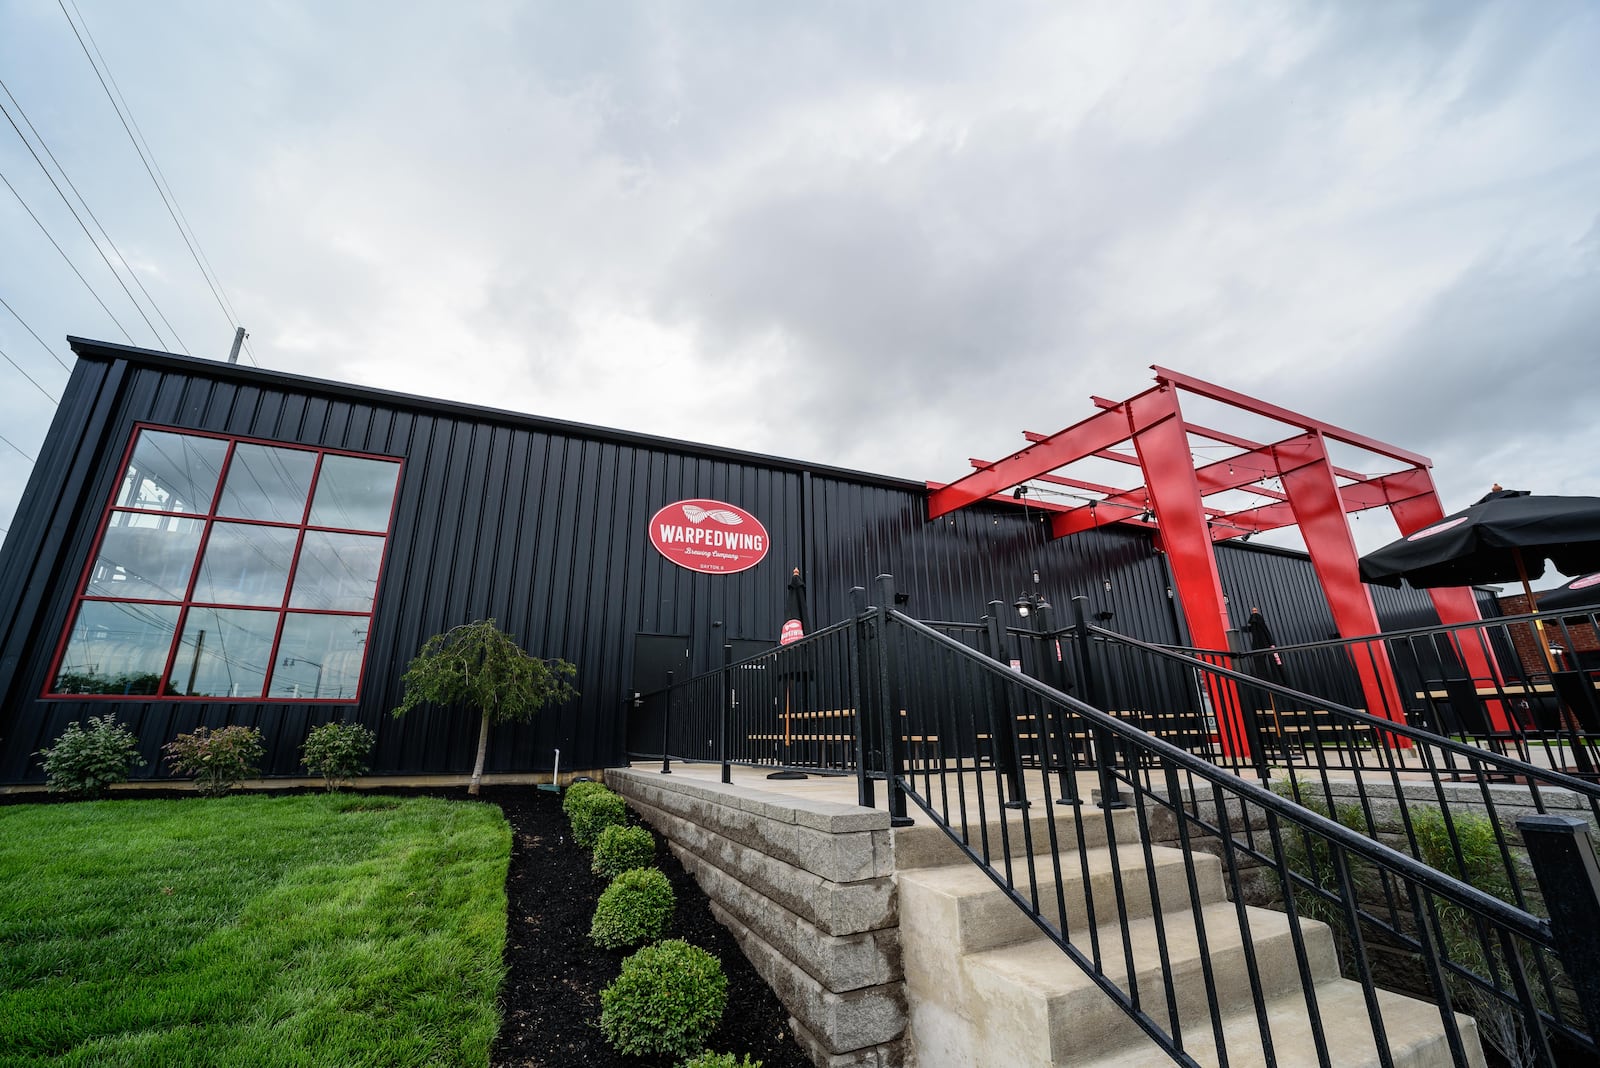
(1028, 603)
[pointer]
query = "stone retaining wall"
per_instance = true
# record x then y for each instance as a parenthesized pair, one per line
(807, 887)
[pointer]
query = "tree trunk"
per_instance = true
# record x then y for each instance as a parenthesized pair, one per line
(483, 750)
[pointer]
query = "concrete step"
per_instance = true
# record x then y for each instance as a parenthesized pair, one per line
(926, 846)
(1069, 1018)
(966, 912)
(1412, 1028)
(985, 987)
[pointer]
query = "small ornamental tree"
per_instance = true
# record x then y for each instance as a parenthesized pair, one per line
(480, 666)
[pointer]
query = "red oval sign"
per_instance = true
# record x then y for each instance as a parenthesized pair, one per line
(713, 537)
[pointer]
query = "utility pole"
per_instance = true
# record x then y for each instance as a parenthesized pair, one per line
(238, 339)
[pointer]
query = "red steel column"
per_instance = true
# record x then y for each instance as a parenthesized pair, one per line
(1308, 479)
(1455, 604)
(1163, 447)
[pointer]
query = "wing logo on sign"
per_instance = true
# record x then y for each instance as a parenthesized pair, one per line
(721, 515)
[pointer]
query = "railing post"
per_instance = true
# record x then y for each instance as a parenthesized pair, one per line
(1110, 796)
(1563, 859)
(1002, 717)
(1067, 766)
(894, 756)
(727, 712)
(864, 719)
(666, 730)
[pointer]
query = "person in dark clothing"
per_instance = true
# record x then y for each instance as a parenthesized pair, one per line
(1265, 664)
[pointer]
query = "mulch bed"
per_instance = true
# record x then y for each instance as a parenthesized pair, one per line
(551, 994)
(554, 974)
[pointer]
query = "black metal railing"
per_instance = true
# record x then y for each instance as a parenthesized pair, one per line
(1527, 685)
(1393, 865)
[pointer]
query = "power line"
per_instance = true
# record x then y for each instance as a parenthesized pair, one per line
(64, 256)
(36, 337)
(79, 220)
(98, 225)
(148, 160)
(14, 445)
(30, 378)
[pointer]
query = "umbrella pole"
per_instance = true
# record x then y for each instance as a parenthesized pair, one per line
(788, 688)
(1533, 606)
(1568, 720)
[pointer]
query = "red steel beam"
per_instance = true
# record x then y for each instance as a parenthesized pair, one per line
(1075, 442)
(1215, 392)
(1175, 492)
(1358, 496)
(1308, 477)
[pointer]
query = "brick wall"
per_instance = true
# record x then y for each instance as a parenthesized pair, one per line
(1574, 638)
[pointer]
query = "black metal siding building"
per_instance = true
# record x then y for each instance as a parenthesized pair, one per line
(542, 525)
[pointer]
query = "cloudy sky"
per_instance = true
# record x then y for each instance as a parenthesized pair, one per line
(927, 227)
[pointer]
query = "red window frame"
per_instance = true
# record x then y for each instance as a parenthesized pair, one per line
(210, 518)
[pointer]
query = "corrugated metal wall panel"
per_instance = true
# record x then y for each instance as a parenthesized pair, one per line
(545, 527)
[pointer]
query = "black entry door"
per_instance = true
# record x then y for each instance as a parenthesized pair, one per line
(654, 656)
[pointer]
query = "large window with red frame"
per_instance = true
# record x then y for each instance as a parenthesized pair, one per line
(233, 569)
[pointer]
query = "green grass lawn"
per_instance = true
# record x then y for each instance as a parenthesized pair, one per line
(326, 930)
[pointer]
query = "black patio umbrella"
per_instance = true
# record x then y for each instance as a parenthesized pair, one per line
(795, 620)
(1506, 536)
(795, 625)
(1581, 592)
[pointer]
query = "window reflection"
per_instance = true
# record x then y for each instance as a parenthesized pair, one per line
(267, 483)
(245, 564)
(319, 656)
(337, 572)
(116, 648)
(145, 557)
(223, 653)
(257, 581)
(354, 494)
(172, 472)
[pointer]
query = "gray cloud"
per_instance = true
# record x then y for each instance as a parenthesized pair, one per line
(927, 228)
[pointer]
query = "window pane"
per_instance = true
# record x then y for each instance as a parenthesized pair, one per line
(354, 494)
(319, 657)
(223, 653)
(145, 557)
(337, 572)
(245, 564)
(267, 483)
(172, 472)
(117, 648)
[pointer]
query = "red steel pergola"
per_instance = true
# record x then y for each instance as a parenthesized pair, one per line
(1315, 495)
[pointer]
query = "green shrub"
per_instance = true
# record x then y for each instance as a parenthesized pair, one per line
(219, 760)
(595, 812)
(668, 1000)
(1468, 848)
(719, 1060)
(337, 751)
(86, 760)
(619, 849)
(577, 792)
(635, 908)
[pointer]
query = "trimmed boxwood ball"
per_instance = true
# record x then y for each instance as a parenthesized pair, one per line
(595, 812)
(619, 849)
(577, 792)
(668, 1000)
(635, 908)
